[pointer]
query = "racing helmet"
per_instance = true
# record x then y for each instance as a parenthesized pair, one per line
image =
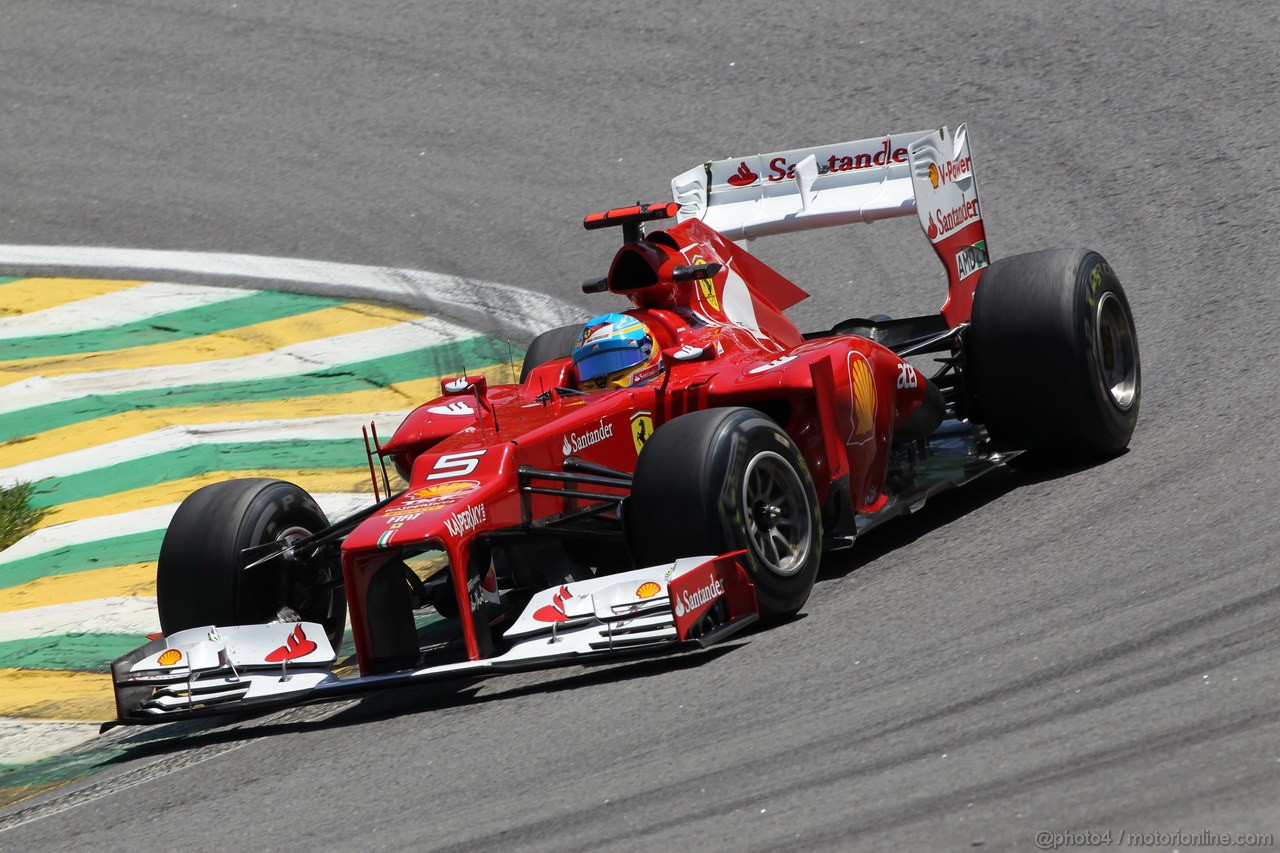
(615, 351)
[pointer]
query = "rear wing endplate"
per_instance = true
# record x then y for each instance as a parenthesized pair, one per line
(928, 173)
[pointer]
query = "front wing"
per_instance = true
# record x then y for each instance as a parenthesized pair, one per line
(692, 602)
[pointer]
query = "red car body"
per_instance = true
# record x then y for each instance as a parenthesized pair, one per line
(726, 342)
(543, 524)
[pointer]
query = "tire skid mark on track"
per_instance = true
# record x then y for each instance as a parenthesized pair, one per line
(487, 303)
(837, 763)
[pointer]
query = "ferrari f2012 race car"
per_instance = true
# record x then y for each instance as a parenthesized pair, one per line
(566, 517)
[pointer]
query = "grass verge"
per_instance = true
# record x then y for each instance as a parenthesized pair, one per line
(17, 516)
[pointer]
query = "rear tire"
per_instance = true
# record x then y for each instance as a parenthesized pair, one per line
(200, 576)
(548, 346)
(727, 479)
(1053, 355)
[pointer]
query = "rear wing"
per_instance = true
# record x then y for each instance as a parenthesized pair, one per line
(928, 173)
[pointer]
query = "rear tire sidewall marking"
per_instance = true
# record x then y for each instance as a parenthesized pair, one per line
(1046, 326)
(1098, 289)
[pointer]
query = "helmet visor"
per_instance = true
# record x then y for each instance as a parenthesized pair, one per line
(602, 363)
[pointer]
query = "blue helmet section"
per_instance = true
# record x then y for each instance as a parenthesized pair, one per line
(611, 343)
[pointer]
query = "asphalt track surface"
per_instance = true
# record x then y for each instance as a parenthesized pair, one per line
(1064, 652)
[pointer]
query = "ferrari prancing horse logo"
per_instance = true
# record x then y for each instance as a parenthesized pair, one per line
(706, 286)
(641, 429)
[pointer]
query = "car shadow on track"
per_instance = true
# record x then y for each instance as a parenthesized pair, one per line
(941, 510)
(398, 701)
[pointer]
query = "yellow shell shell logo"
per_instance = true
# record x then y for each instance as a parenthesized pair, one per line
(442, 489)
(648, 589)
(170, 657)
(432, 497)
(864, 397)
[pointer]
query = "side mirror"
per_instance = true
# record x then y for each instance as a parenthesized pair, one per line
(686, 353)
(695, 272)
(465, 385)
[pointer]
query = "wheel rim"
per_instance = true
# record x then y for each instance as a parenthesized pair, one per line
(314, 604)
(779, 525)
(293, 535)
(1117, 352)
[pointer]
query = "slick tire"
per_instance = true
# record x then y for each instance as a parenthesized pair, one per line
(1053, 356)
(200, 575)
(722, 480)
(548, 346)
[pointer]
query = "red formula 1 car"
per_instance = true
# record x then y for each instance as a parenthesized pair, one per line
(566, 517)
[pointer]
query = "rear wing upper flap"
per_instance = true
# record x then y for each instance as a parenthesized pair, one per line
(928, 173)
(745, 197)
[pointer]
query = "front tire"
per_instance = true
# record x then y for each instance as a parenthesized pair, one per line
(200, 575)
(728, 479)
(1053, 355)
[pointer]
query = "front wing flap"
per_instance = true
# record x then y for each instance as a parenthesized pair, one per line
(694, 601)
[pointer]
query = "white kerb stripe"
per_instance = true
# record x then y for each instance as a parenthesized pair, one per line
(125, 614)
(179, 437)
(292, 360)
(116, 309)
(25, 740)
